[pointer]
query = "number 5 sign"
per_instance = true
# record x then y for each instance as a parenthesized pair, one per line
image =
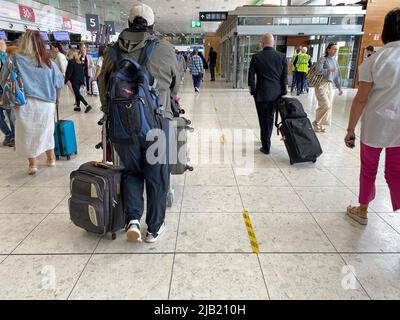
(92, 22)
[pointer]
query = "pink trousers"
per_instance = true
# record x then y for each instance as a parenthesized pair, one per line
(369, 169)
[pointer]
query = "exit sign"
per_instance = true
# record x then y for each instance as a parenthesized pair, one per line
(195, 24)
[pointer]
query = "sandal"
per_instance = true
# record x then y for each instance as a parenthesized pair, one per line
(51, 162)
(318, 128)
(358, 215)
(32, 170)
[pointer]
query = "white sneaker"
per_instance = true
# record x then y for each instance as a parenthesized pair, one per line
(153, 237)
(133, 231)
(197, 90)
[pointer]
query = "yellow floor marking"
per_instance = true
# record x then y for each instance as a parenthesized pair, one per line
(250, 231)
(223, 139)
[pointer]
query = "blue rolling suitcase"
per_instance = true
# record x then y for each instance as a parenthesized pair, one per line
(64, 138)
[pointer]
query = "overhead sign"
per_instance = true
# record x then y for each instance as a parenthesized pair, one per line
(111, 27)
(92, 22)
(195, 24)
(26, 14)
(213, 16)
(67, 23)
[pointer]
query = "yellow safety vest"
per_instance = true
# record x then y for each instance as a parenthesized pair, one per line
(302, 62)
(293, 59)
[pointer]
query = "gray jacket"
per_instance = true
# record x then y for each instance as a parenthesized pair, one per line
(323, 66)
(162, 65)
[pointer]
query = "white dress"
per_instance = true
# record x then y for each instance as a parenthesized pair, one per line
(34, 128)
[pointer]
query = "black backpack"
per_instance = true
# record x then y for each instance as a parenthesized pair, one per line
(133, 107)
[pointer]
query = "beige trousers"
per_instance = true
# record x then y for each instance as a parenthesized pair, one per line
(324, 95)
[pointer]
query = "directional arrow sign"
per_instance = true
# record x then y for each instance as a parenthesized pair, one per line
(213, 16)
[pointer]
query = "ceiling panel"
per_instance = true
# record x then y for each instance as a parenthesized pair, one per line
(171, 15)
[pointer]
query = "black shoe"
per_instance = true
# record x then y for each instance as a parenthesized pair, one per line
(298, 93)
(11, 143)
(77, 109)
(7, 140)
(262, 150)
(88, 108)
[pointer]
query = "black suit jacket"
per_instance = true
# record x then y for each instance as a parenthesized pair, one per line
(268, 75)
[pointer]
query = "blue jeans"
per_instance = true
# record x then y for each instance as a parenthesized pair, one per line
(8, 131)
(197, 80)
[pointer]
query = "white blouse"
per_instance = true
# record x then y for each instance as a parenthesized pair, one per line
(380, 124)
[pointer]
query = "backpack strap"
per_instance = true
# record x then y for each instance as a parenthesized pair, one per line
(147, 52)
(145, 56)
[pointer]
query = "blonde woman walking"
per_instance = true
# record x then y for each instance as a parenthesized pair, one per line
(34, 129)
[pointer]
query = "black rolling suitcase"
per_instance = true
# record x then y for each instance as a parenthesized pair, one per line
(96, 197)
(297, 132)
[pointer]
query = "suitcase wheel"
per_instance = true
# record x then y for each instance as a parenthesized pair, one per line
(114, 236)
(68, 158)
(291, 163)
(314, 161)
(189, 168)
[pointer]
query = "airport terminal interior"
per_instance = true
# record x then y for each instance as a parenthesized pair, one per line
(242, 225)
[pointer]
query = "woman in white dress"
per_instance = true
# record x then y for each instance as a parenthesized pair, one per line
(34, 130)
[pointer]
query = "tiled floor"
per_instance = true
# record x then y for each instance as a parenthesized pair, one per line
(309, 249)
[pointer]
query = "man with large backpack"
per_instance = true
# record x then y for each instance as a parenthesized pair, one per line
(138, 78)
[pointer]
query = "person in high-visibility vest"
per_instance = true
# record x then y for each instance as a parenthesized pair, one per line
(302, 65)
(294, 76)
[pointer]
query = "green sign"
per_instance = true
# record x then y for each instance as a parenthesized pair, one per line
(195, 24)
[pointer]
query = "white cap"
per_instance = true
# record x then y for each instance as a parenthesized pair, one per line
(144, 11)
(304, 49)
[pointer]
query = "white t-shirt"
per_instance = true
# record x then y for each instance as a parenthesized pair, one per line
(381, 117)
(100, 62)
(61, 62)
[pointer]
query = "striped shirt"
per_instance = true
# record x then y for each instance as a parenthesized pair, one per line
(196, 65)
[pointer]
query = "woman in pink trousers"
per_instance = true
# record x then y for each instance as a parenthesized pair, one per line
(378, 102)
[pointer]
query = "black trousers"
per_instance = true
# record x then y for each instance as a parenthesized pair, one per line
(87, 82)
(139, 171)
(212, 70)
(266, 116)
(78, 97)
(301, 80)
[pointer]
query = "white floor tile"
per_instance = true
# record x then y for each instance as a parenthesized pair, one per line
(378, 274)
(6, 191)
(316, 177)
(211, 177)
(262, 177)
(271, 199)
(125, 277)
(33, 200)
(217, 276)
(327, 199)
(211, 199)
(58, 235)
(14, 228)
(348, 235)
(213, 232)
(308, 277)
(294, 232)
(40, 277)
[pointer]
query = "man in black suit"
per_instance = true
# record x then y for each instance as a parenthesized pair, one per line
(267, 83)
